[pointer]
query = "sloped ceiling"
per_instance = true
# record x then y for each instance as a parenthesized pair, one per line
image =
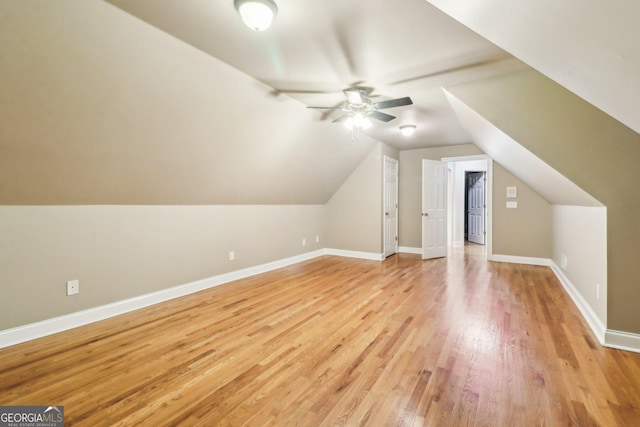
(591, 48)
(172, 102)
(554, 187)
(317, 48)
(99, 108)
(134, 105)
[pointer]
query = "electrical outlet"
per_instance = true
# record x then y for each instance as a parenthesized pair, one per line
(232, 255)
(304, 242)
(317, 239)
(73, 287)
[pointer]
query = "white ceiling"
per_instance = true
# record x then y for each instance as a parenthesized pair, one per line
(316, 48)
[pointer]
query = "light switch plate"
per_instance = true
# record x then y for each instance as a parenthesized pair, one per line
(512, 192)
(512, 205)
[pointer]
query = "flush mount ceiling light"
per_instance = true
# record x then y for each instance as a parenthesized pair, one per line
(256, 14)
(407, 130)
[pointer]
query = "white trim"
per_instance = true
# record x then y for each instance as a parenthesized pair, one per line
(607, 337)
(588, 314)
(622, 340)
(546, 262)
(355, 254)
(488, 246)
(24, 333)
(384, 198)
(409, 250)
(457, 244)
(488, 227)
(8, 337)
(465, 158)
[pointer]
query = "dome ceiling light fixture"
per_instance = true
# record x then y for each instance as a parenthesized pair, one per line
(408, 130)
(256, 14)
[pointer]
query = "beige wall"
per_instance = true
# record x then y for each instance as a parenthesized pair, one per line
(590, 148)
(100, 108)
(509, 236)
(119, 252)
(410, 191)
(580, 234)
(525, 231)
(354, 213)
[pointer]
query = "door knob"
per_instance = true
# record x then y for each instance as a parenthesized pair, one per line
(386, 213)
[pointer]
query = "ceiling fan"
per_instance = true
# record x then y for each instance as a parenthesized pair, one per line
(359, 108)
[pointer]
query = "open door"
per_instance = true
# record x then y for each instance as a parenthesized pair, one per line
(475, 207)
(434, 209)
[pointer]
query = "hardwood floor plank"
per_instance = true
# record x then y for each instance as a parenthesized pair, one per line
(338, 341)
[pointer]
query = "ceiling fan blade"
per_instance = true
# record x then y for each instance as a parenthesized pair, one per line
(341, 118)
(381, 116)
(393, 103)
(320, 108)
(353, 96)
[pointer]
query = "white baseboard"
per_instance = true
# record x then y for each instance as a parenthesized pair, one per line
(355, 254)
(8, 337)
(457, 243)
(20, 334)
(409, 250)
(520, 260)
(622, 340)
(594, 322)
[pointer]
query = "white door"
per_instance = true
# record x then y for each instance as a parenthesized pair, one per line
(476, 206)
(434, 209)
(390, 206)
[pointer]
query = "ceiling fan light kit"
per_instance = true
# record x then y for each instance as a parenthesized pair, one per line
(256, 14)
(358, 120)
(408, 130)
(359, 109)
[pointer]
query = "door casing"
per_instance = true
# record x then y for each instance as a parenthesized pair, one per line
(390, 206)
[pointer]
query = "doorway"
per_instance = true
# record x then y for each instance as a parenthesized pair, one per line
(475, 205)
(458, 200)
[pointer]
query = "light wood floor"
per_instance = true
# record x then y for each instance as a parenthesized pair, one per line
(338, 341)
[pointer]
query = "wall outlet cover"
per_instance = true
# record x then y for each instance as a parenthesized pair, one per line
(73, 287)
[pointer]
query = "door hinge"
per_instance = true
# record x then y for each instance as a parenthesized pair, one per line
(396, 238)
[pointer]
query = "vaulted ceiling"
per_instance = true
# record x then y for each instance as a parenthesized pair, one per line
(315, 49)
(173, 102)
(589, 48)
